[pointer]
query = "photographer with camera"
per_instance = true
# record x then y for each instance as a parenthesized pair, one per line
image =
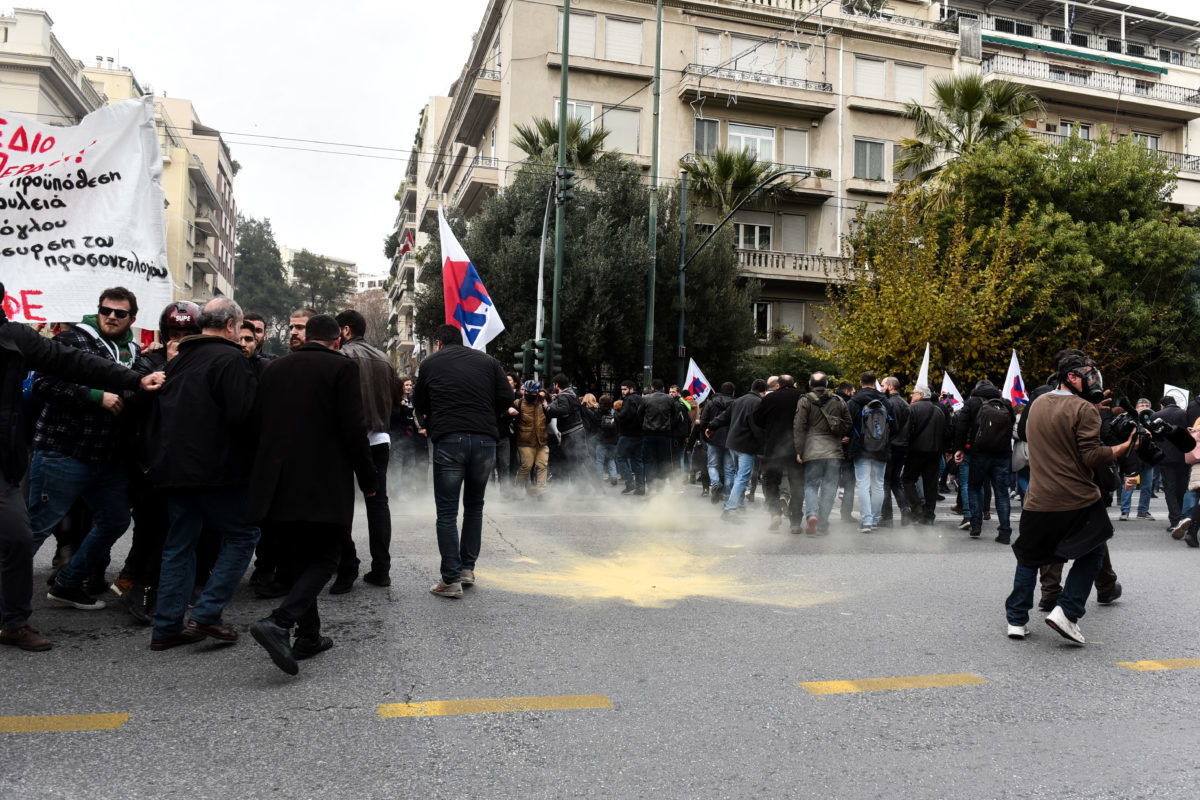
(1063, 517)
(1172, 468)
(1145, 473)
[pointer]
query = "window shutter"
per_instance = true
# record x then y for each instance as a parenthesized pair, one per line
(868, 77)
(622, 125)
(623, 41)
(910, 84)
(708, 48)
(583, 34)
(751, 55)
(795, 147)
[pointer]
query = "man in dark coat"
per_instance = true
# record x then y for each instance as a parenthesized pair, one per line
(869, 467)
(776, 415)
(928, 436)
(1172, 467)
(720, 461)
(744, 440)
(312, 443)
(991, 461)
(203, 444)
(892, 486)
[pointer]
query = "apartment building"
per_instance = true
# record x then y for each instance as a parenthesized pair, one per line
(38, 79)
(288, 254)
(805, 84)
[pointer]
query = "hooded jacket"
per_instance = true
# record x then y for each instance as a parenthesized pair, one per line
(744, 435)
(814, 440)
(964, 431)
(857, 403)
(775, 415)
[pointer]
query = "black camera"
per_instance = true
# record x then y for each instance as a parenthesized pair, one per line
(1150, 432)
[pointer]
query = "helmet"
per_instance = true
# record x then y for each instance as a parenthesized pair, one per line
(180, 316)
(532, 387)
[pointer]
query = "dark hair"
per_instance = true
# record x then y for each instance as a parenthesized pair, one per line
(303, 311)
(515, 377)
(786, 381)
(728, 388)
(447, 334)
(561, 381)
(867, 379)
(322, 328)
(630, 384)
(685, 393)
(656, 384)
(1168, 401)
(353, 320)
(398, 388)
(759, 385)
(246, 326)
(120, 293)
(605, 401)
(844, 387)
(254, 316)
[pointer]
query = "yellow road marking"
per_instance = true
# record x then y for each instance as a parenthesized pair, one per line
(439, 708)
(1167, 663)
(887, 684)
(62, 722)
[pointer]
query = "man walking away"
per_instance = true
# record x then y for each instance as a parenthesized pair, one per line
(928, 426)
(744, 441)
(986, 433)
(776, 415)
(892, 486)
(203, 441)
(658, 409)
(720, 462)
(629, 440)
(375, 377)
(870, 448)
(1173, 468)
(821, 426)
(460, 393)
(312, 444)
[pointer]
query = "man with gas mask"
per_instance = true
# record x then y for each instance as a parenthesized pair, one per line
(1063, 517)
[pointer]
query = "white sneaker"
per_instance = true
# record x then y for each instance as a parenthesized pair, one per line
(1069, 630)
(1017, 631)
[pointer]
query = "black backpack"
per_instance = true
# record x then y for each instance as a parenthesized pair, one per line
(681, 423)
(874, 430)
(993, 427)
(608, 426)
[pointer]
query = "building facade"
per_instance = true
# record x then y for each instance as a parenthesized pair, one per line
(288, 254)
(815, 86)
(38, 79)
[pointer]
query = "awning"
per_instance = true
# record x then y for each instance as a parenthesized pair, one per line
(1063, 51)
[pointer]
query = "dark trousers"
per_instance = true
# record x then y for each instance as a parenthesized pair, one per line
(462, 463)
(1175, 480)
(773, 472)
(150, 523)
(849, 486)
(16, 559)
(379, 523)
(892, 483)
(1074, 595)
(924, 466)
(1051, 579)
(629, 461)
(656, 457)
(312, 555)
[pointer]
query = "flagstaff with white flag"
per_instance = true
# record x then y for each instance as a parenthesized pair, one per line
(696, 383)
(923, 373)
(951, 392)
(1014, 386)
(468, 305)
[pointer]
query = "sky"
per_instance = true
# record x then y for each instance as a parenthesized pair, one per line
(351, 77)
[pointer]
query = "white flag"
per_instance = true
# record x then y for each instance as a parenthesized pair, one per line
(951, 391)
(1181, 395)
(923, 373)
(468, 305)
(1014, 387)
(696, 383)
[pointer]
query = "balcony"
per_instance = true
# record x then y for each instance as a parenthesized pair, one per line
(204, 183)
(206, 220)
(757, 89)
(1102, 90)
(478, 183)
(773, 265)
(408, 197)
(482, 101)
(204, 259)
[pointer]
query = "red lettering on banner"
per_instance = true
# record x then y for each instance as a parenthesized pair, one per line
(19, 140)
(30, 307)
(12, 308)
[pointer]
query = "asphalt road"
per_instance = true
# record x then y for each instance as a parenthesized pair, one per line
(666, 651)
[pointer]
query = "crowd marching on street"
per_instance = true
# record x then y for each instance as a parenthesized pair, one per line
(225, 460)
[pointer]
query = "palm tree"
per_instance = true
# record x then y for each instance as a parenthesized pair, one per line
(971, 113)
(585, 144)
(725, 178)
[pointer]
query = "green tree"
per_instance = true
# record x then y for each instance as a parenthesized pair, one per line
(258, 270)
(585, 142)
(319, 284)
(971, 113)
(725, 178)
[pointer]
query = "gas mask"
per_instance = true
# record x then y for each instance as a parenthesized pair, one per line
(1092, 381)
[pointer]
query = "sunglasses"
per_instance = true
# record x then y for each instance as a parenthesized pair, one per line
(119, 313)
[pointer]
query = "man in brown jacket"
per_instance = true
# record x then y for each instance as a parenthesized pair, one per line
(1063, 517)
(533, 447)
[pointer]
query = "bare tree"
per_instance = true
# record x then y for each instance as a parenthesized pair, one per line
(374, 306)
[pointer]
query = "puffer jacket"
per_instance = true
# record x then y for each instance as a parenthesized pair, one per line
(531, 424)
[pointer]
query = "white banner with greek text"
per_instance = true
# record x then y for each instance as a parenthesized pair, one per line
(81, 209)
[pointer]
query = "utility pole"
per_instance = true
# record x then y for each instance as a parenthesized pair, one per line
(561, 205)
(648, 360)
(682, 371)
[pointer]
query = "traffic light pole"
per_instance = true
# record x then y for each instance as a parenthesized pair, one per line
(648, 360)
(561, 206)
(681, 372)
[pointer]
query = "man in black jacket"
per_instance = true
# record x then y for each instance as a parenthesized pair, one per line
(1173, 469)
(202, 460)
(991, 456)
(720, 461)
(657, 410)
(565, 407)
(461, 393)
(21, 349)
(869, 464)
(892, 486)
(927, 433)
(312, 444)
(629, 440)
(744, 441)
(776, 415)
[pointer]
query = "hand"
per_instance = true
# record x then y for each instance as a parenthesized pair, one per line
(1123, 447)
(845, 440)
(1131, 483)
(799, 460)
(150, 348)
(512, 412)
(958, 456)
(154, 381)
(112, 403)
(421, 431)
(172, 349)
(707, 433)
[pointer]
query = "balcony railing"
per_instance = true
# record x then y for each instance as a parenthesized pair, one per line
(756, 77)
(793, 265)
(862, 10)
(1025, 29)
(1085, 80)
(488, 74)
(782, 5)
(478, 162)
(1176, 161)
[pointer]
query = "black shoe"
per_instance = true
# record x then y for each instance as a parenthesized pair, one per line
(1111, 597)
(96, 584)
(1047, 604)
(275, 641)
(731, 517)
(377, 579)
(704, 492)
(344, 583)
(138, 602)
(1191, 539)
(715, 497)
(628, 489)
(975, 533)
(261, 577)
(941, 496)
(73, 597)
(1003, 540)
(307, 648)
(639, 492)
(271, 590)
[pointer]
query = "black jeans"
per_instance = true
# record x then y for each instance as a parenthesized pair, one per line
(924, 466)
(772, 477)
(892, 483)
(379, 523)
(150, 523)
(1175, 480)
(16, 558)
(462, 463)
(312, 555)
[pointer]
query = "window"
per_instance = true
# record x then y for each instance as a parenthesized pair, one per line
(909, 84)
(868, 77)
(492, 143)
(868, 159)
(752, 236)
(1169, 56)
(708, 48)
(583, 34)
(1058, 74)
(1080, 78)
(1058, 35)
(1013, 26)
(623, 40)
(1079, 39)
(1142, 87)
(702, 230)
(1149, 141)
(759, 141)
(751, 55)
(622, 127)
(793, 62)
(708, 137)
(793, 233)
(899, 174)
(577, 110)
(795, 147)
(1082, 128)
(1113, 45)
(1132, 49)
(762, 321)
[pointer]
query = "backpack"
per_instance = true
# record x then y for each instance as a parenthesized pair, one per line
(835, 422)
(993, 427)
(875, 433)
(681, 423)
(608, 424)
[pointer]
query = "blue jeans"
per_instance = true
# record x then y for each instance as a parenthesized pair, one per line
(629, 461)
(56, 481)
(1021, 477)
(462, 463)
(820, 488)
(189, 510)
(1190, 499)
(964, 485)
(606, 460)
(656, 457)
(986, 469)
(1147, 481)
(743, 465)
(721, 468)
(1074, 595)
(868, 475)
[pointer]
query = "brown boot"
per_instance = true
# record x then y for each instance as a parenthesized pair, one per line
(25, 638)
